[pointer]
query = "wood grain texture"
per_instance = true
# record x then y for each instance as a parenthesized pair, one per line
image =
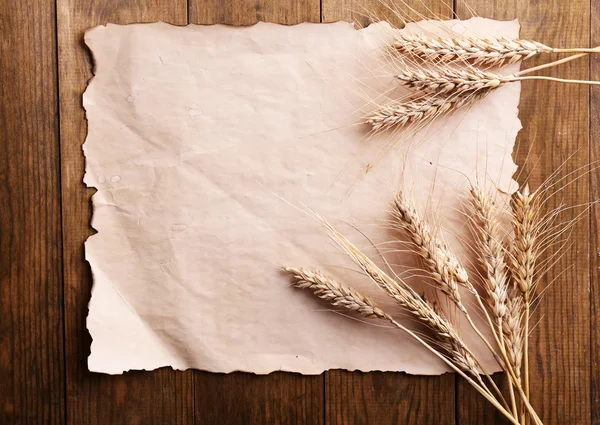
(159, 397)
(555, 137)
(247, 12)
(242, 398)
(387, 398)
(595, 217)
(397, 12)
(355, 398)
(31, 322)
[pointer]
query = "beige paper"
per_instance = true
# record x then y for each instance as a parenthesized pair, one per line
(208, 144)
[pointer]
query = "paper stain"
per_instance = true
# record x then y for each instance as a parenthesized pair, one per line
(194, 112)
(179, 227)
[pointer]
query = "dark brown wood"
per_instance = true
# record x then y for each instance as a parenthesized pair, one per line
(159, 397)
(554, 137)
(243, 398)
(387, 398)
(595, 217)
(32, 384)
(355, 398)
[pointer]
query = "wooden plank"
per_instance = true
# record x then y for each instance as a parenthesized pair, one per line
(243, 398)
(31, 328)
(237, 398)
(248, 12)
(363, 12)
(355, 398)
(595, 216)
(159, 397)
(555, 120)
(387, 398)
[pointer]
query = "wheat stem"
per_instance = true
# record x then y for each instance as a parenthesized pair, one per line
(558, 80)
(526, 350)
(555, 63)
(479, 51)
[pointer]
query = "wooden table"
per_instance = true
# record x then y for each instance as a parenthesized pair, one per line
(46, 209)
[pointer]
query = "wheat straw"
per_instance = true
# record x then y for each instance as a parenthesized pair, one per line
(478, 51)
(452, 80)
(524, 255)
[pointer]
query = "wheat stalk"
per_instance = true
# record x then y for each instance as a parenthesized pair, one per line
(525, 246)
(525, 251)
(447, 80)
(478, 51)
(491, 254)
(446, 90)
(461, 360)
(339, 295)
(448, 274)
(452, 80)
(407, 298)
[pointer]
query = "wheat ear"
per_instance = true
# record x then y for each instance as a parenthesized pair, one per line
(336, 293)
(479, 51)
(447, 271)
(491, 255)
(490, 252)
(513, 331)
(465, 80)
(525, 251)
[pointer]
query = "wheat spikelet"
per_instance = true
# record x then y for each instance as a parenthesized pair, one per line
(490, 252)
(513, 331)
(525, 246)
(419, 112)
(405, 113)
(452, 80)
(440, 261)
(479, 51)
(336, 293)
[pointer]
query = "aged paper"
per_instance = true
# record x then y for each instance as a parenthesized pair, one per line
(208, 147)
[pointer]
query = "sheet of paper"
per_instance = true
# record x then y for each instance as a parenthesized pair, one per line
(208, 145)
